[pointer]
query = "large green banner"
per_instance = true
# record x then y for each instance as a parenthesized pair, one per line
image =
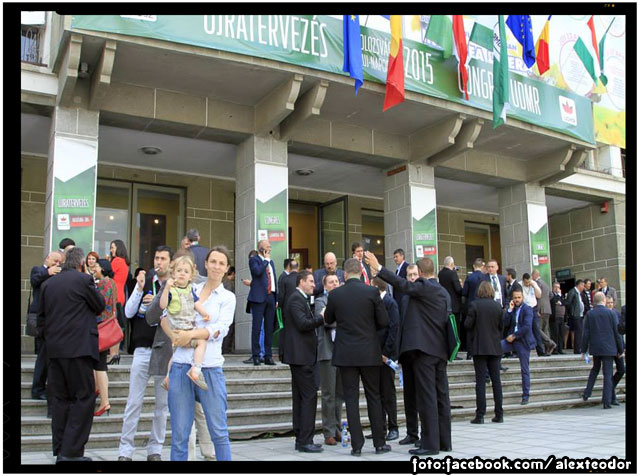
(74, 188)
(425, 233)
(539, 241)
(315, 41)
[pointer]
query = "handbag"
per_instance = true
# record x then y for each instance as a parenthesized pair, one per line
(32, 320)
(453, 339)
(279, 324)
(109, 334)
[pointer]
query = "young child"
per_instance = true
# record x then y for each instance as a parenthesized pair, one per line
(180, 302)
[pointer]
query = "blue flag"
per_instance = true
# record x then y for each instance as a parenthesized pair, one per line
(352, 49)
(520, 26)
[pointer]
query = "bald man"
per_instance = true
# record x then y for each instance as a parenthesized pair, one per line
(330, 266)
(263, 299)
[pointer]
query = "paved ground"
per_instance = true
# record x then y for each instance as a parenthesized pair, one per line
(575, 433)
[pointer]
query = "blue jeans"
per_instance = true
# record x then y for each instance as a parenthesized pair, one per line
(183, 394)
(523, 354)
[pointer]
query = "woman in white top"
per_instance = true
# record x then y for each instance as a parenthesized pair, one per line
(221, 306)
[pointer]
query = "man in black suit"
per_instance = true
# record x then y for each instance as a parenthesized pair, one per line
(449, 279)
(601, 338)
(574, 307)
(199, 251)
(358, 253)
(39, 274)
(359, 313)
(498, 282)
(401, 270)
(511, 280)
(619, 361)
(69, 303)
(423, 353)
(300, 351)
(556, 321)
(287, 284)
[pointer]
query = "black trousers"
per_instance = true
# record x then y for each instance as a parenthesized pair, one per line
(480, 364)
(388, 398)
(620, 370)
(576, 327)
(265, 310)
(607, 372)
(351, 391)
(409, 395)
(535, 327)
(72, 399)
(304, 393)
(38, 386)
(432, 401)
(556, 328)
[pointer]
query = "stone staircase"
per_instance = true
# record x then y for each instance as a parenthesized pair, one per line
(259, 398)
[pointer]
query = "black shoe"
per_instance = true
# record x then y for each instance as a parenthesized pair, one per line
(248, 361)
(446, 448)
(262, 360)
(615, 402)
(525, 401)
(584, 397)
(64, 459)
(256, 361)
(457, 358)
(382, 449)
(478, 420)
(310, 448)
(269, 362)
(560, 352)
(408, 440)
(422, 452)
(497, 419)
(42, 396)
(355, 452)
(606, 406)
(394, 435)
(369, 437)
(114, 360)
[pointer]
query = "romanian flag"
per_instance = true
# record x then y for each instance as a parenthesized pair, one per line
(542, 49)
(460, 42)
(395, 69)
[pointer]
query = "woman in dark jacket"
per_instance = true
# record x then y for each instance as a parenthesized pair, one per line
(484, 322)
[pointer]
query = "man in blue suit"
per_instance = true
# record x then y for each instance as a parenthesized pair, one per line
(600, 337)
(498, 282)
(518, 320)
(469, 292)
(263, 299)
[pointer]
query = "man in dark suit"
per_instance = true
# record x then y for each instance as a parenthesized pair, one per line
(511, 280)
(389, 343)
(287, 284)
(199, 251)
(358, 253)
(423, 353)
(619, 361)
(449, 279)
(518, 321)
(286, 269)
(586, 294)
(470, 291)
(498, 282)
(575, 310)
(69, 303)
(608, 290)
(401, 270)
(39, 274)
(263, 299)
(330, 267)
(601, 338)
(300, 352)
(359, 312)
(556, 321)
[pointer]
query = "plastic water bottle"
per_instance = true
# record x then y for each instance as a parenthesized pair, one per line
(346, 439)
(400, 378)
(587, 359)
(143, 307)
(393, 365)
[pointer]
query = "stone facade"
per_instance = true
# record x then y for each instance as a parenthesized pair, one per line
(592, 244)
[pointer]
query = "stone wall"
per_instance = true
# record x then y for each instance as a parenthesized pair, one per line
(592, 244)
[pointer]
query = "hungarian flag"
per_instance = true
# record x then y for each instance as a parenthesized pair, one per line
(591, 55)
(542, 49)
(603, 78)
(395, 69)
(439, 32)
(500, 76)
(460, 44)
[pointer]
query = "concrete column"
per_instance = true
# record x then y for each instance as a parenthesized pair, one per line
(71, 177)
(261, 184)
(516, 203)
(610, 160)
(409, 202)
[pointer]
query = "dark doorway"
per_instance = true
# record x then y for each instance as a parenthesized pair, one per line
(153, 230)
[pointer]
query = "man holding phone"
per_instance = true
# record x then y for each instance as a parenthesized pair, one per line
(263, 299)
(358, 253)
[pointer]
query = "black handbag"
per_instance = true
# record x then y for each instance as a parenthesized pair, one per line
(453, 339)
(32, 320)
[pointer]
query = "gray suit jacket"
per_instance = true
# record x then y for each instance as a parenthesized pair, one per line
(611, 292)
(325, 344)
(544, 303)
(161, 350)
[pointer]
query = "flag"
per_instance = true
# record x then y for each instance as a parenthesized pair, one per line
(395, 69)
(500, 76)
(481, 36)
(520, 26)
(603, 78)
(542, 49)
(594, 43)
(587, 59)
(439, 31)
(352, 49)
(460, 42)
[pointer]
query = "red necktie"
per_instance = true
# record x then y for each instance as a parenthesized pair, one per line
(364, 273)
(269, 278)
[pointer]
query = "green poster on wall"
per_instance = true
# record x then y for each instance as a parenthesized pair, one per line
(425, 234)
(272, 214)
(539, 241)
(74, 188)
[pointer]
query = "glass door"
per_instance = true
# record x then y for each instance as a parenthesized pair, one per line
(112, 222)
(334, 230)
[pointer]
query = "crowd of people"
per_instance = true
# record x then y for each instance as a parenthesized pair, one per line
(363, 322)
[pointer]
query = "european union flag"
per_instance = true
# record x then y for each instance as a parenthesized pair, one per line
(520, 26)
(352, 49)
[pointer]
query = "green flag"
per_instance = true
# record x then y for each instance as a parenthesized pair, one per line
(440, 31)
(603, 78)
(482, 36)
(500, 76)
(587, 59)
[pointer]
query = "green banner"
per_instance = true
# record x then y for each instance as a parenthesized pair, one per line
(425, 241)
(539, 240)
(315, 41)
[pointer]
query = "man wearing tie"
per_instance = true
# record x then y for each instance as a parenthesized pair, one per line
(263, 301)
(498, 283)
(574, 308)
(401, 271)
(358, 253)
